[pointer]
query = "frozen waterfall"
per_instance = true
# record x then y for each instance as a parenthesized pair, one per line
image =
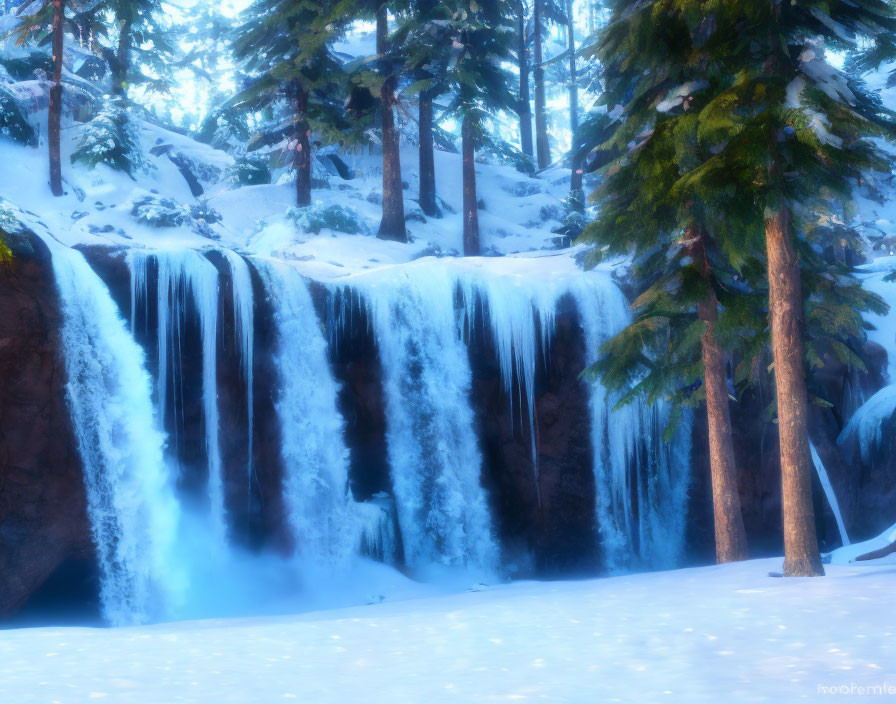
(186, 277)
(314, 454)
(433, 450)
(244, 333)
(131, 504)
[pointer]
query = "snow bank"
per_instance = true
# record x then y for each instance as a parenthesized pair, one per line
(725, 633)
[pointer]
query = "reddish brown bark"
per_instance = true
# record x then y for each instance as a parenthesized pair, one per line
(471, 206)
(731, 538)
(54, 118)
(392, 224)
(801, 556)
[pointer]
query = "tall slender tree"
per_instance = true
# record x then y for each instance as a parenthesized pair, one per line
(286, 49)
(575, 179)
(392, 224)
(542, 146)
(793, 133)
(482, 40)
(759, 128)
(524, 109)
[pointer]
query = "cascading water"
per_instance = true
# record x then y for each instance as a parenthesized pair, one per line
(314, 454)
(184, 276)
(433, 451)
(244, 332)
(131, 504)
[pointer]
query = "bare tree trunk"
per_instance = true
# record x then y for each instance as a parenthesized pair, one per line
(525, 106)
(471, 205)
(392, 224)
(801, 556)
(427, 158)
(303, 149)
(542, 148)
(575, 179)
(54, 118)
(731, 538)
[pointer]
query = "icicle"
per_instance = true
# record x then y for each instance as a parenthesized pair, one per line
(829, 493)
(314, 453)
(628, 443)
(515, 310)
(131, 505)
(244, 331)
(442, 509)
(187, 275)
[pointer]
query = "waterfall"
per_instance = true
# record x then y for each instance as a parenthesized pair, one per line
(187, 276)
(641, 481)
(436, 464)
(244, 332)
(516, 312)
(131, 505)
(315, 457)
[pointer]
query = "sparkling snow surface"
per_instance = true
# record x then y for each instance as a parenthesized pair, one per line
(726, 633)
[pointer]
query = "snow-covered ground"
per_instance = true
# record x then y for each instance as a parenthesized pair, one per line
(724, 633)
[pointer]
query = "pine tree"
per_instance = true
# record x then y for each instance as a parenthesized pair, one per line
(392, 224)
(286, 47)
(30, 28)
(793, 133)
(542, 147)
(482, 41)
(776, 138)
(425, 42)
(524, 109)
(142, 51)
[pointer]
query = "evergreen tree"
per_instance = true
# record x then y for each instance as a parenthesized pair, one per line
(481, 42)
(524, 109)
(141, 51)
(769, 140)
(392, 224)
(425, 42)
(286, 47)
(31, 25)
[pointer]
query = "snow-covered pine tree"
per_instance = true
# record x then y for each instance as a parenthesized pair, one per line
(286, 47)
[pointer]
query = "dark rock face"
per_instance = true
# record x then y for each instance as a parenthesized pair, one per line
(551, 531)
(43, 514)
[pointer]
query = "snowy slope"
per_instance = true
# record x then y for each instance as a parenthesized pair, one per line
(725, 633)
(517, 215)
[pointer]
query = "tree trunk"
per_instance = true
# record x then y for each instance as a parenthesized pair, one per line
(54, 118)
(542, 148)
(427, 158)
(731, 538)
(575, 179)
(801, 556)
(877, 554)
(471, 205)
(525, 106)
(303, 150)
(121, 65)
(392, 225)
